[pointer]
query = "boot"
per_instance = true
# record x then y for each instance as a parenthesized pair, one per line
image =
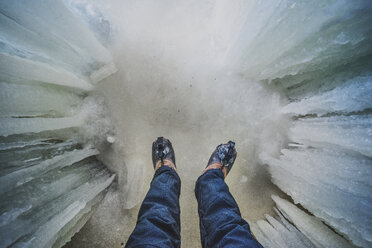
(162, 150)
(225, 154)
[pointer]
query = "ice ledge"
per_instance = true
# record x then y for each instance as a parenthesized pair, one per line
(103, 72)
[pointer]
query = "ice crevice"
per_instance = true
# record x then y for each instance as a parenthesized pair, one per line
(85, 86)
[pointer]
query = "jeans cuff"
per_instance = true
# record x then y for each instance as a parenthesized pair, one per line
(165, 169)
(217, 172)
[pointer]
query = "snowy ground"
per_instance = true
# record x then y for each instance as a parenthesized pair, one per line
(150, 96)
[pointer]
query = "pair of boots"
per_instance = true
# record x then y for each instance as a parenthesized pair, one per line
(223, 156)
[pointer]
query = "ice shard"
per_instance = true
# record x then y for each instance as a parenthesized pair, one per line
(305, 230)
(354, 96)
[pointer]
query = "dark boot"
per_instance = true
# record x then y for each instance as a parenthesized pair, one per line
(162, 149)
(225, 154)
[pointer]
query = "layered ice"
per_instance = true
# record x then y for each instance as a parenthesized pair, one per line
(290, 81)
(321, 180)
(354, 96)
(29, 100)
(31, 31)
(325, 73)
(50, 178)
(295, 228)
(351, 132)
(326, 167)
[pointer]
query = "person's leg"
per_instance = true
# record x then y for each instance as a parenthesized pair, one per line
(158, 222)
(221, 224)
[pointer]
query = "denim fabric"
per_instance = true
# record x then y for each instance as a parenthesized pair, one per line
(221, 224)
(158, 222)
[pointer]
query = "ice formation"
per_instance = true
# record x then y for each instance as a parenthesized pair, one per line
(305, 230)
(324, 70)
(315, 139)
(50, 178)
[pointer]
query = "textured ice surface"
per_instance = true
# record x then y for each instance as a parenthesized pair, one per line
(33, 71)
(64, 41)
(327, 168)
(299, 36)
(351, 132)
(59, 221)
(19, 177)
(18, 125)
(30, 100)
(50, 178)
(305, 230)
(279, 233)
(332, 183)
(355, 95)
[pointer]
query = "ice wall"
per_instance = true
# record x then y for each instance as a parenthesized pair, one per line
(322, 62)
(50, 179)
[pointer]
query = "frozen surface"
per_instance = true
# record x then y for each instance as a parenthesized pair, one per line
(50, 178)
(27, 100)
(331, 181)
(305, 230)
(279, 233)
(31, 30)
(354, 96)
(289, 81)
(15, 125)
(351, 132)
(33, 71)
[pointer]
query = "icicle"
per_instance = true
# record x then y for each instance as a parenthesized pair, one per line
(275, 234)
(43, 223)
(47, 234)
(17, 100)
(354, 96)
(351, 132)
(44, 189)
(264, 241)
(314, 229)
(10, 126)
(18, 70)
(321, 180)
(17, 178)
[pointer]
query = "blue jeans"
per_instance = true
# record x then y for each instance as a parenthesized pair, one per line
(221, 225)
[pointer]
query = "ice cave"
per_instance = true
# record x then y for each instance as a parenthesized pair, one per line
(87, 85)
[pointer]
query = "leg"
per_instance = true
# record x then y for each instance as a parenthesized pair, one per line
(221, 224)
(158, 223)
